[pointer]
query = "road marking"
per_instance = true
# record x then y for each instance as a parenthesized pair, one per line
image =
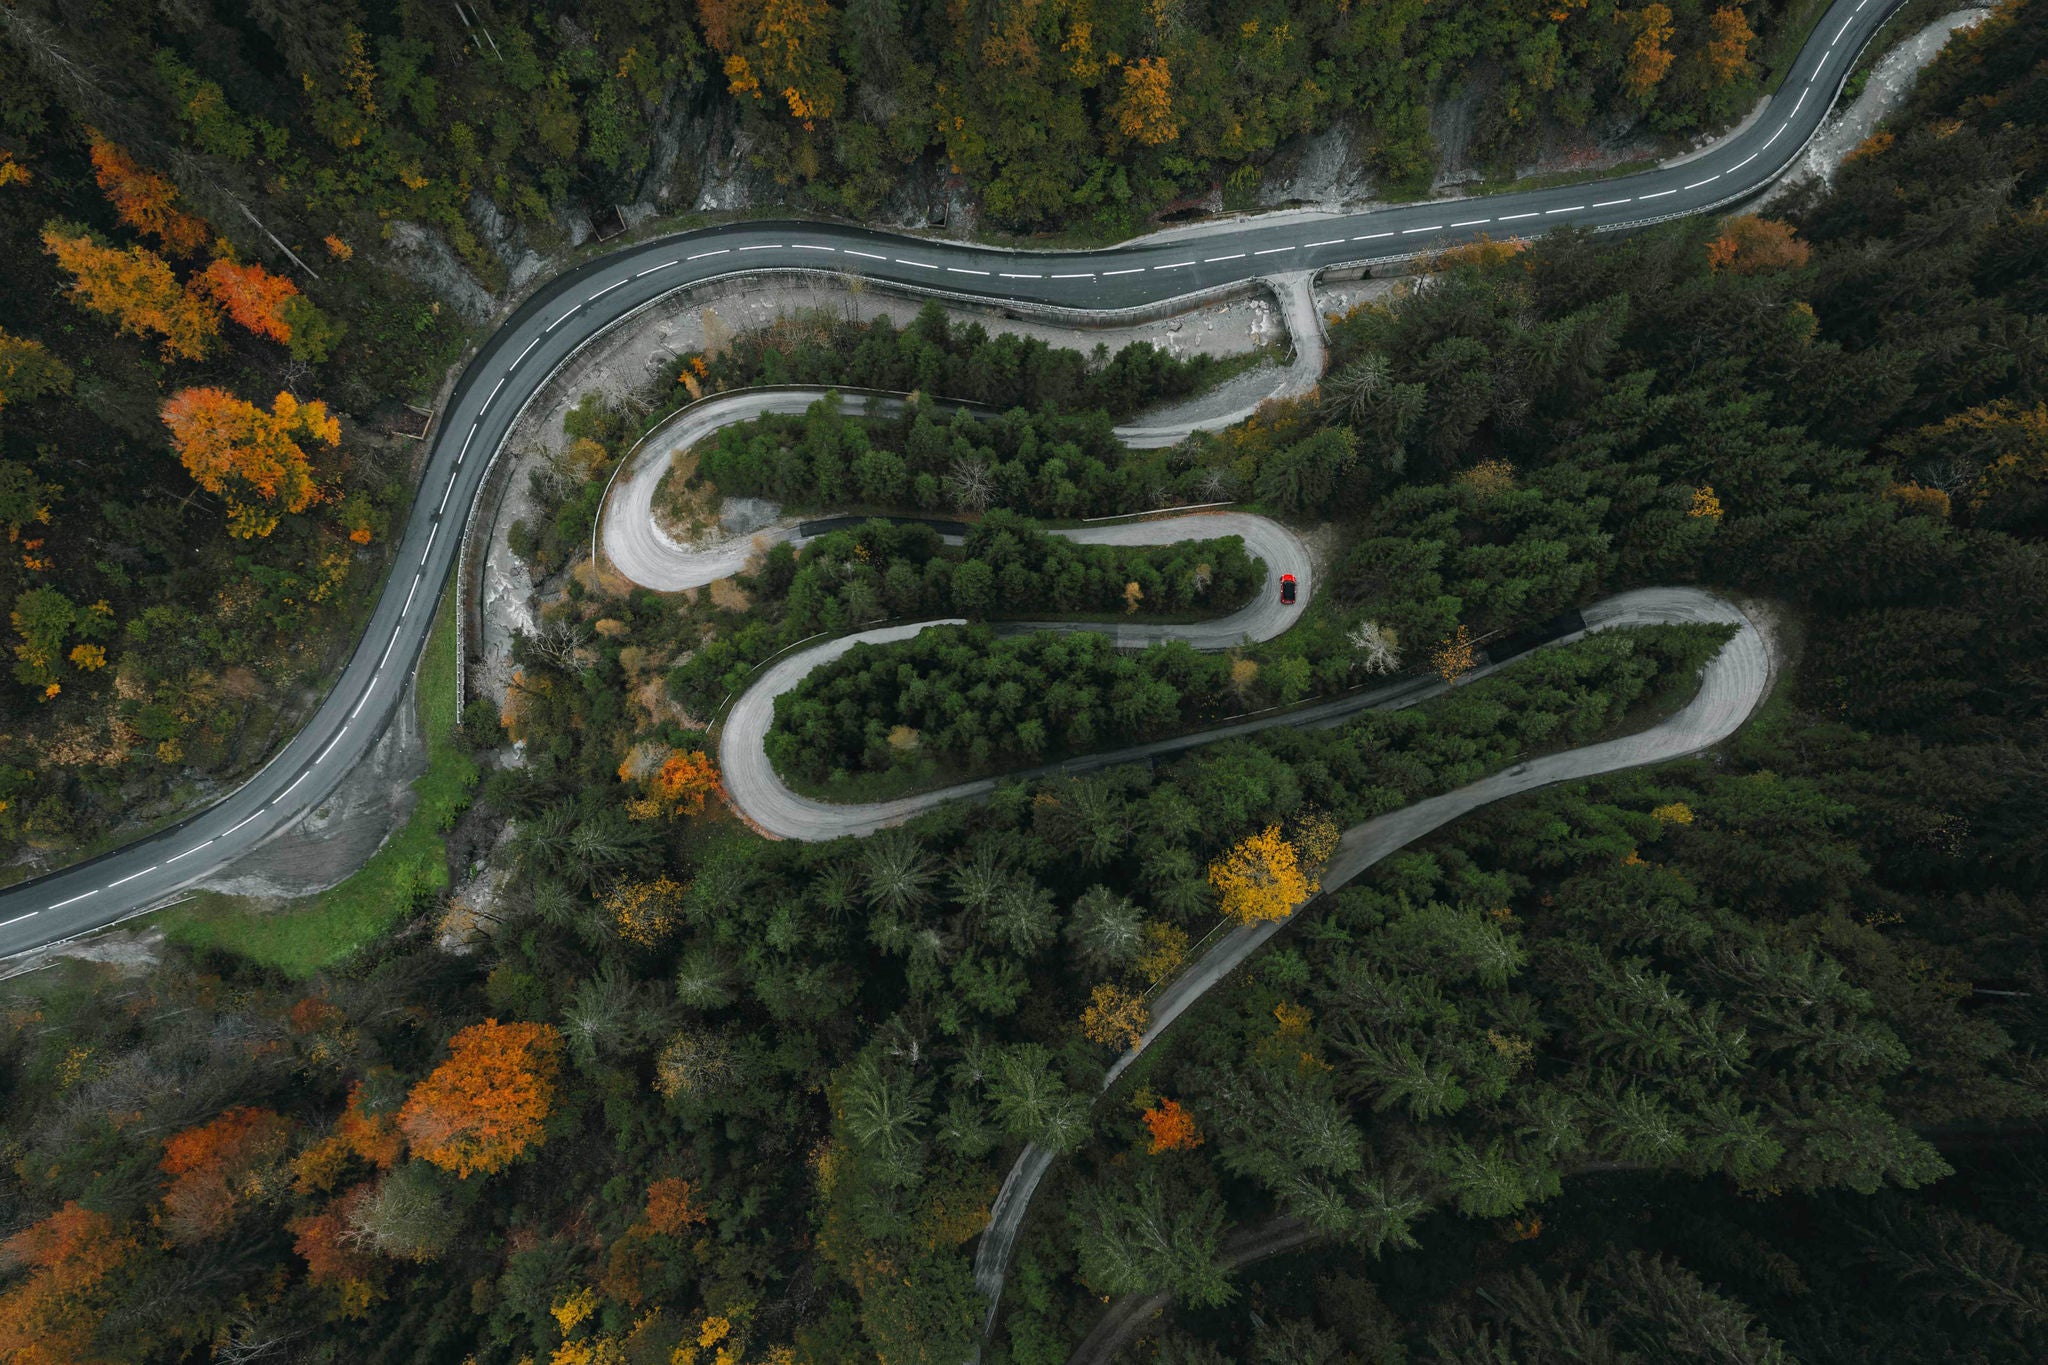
(1568, 208)
(432, 531)
(1708, 181)
(1609, 203)
(1410, 232)
(1008, 276)
(663, 266)
(1369, 237)
(189, 852)
(132, 876)
(408, 598)
(602, 292)
(444, 499)
(252, 816)
(764, 246)
(1334, 241)
(321, 757)
(1472, 222)
(806, 246)
(1843, 29)
(295, 782)
(1089, 276)
(75, 899)
(1795, 105)
(865, 255)
(387, 657)
(1659, 194)
(492, 399)
(1774, 136)
(962, 270)
(465, 443)
(363, 700)
(1211, 260)
(525, 353)
(1516, 217)
(921, 265)
(702, 254)
(19, 918)
(1740, 164)
(1175, 266)
(1136, 270)
(1275, 250)
(565, 317)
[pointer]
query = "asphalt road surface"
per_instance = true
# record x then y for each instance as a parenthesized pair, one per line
(1731, 685)
(581, 303)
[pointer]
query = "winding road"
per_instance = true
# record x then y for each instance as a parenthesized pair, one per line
(582, 303)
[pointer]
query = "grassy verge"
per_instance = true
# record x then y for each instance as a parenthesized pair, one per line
(302, 936)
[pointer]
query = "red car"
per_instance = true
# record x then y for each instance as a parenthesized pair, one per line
(1287, 590)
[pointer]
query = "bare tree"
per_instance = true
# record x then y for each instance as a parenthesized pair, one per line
(558, 641)
(1379, 648)
(971, 484)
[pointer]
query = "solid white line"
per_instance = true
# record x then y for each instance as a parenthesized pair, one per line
(1089, 276)
(1658, 195)
(1568, 208)
(806, 246)
(75, 899)
(19, 918)
(525, 353)
(1175, 266)
(1774, 136)
(1272, 251)
(921, 265)
(1211, 260)
(1334, 241)
(961, 270)
(1708, 181)
(1410, 232)
(1008, 276)
(408, 597)
(702, 254)
(1609, 203)
(1372, 236)
(1513, 217)
(866, 255)
(602, 292)
(492, 399)
(1740, 164)
(1472, 222)
(1136, 270)
(764, 246)
(132, 876)
(189, 852)
(252, 816)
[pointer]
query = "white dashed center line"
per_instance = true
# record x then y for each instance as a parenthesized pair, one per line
(865, 255)
(765, 246)
(75, 899)
(1175, 266)
(1088, 276)
(1211, 260)
(961, 270)
(132, 876)
(1609, 203)
(1272, 251)
(652, 268)
(1512, 217)
(1568, 208)
(189, 852)
(493, 398)
(1008, 276)
(525, 353)
(1658, 195)
(564, 318)
(1136, 270)
(1334, 241)
(702, 254)
(1472, 222)
(1372, 236)
(245, 821)
(19, 918)
(602, 292)
(921, 265)
(1708, 181)
(1410, 232)
(806, 246)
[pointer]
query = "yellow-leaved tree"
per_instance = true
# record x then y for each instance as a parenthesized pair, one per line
(252, 458)
(1261, 878)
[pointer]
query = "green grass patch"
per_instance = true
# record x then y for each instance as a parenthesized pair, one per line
(300, 937)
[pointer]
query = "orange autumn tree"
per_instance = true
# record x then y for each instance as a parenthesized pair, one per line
(1727, 52)
(145, 200)
(1115, 1017)
(1648, 58)
(134, 286)
(1261, 878)
(49, 1315)
(1144, 111)
(250, 457)
(679, 787)
(1749, 245)
(487, 1103)
(250, 295)
(1172, 1128)
(220, 1165)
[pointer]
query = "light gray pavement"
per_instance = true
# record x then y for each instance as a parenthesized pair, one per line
(585, 302)
(1730, 688)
